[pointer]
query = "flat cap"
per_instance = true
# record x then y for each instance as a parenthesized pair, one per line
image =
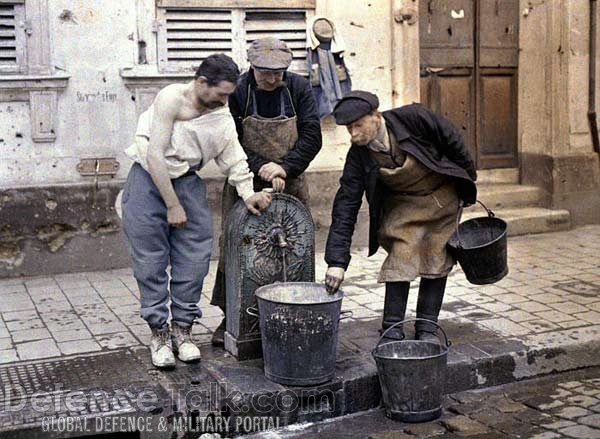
(353, 106)
(270, 54)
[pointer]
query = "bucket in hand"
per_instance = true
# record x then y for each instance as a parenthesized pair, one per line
(480, 247)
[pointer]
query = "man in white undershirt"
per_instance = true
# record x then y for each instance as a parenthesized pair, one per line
(166, 217)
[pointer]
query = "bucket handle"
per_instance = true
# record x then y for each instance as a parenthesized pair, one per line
(459, 215)
(253, 311)
(345, 315)
(448, 343)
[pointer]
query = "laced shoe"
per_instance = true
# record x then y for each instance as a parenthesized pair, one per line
(183, 345)
(161, 349)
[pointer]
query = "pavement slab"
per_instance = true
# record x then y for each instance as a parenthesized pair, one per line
(538, 320)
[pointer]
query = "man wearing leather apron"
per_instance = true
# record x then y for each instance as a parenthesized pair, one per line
(416, 171)
(278, 126)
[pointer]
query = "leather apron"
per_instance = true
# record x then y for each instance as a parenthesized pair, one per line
(417, 218)
(271, 138)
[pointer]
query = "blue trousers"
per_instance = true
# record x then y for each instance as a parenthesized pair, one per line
(154, 245)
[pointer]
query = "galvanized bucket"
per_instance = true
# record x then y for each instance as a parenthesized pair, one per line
(480, 247)
(299, 327)
(412, 374)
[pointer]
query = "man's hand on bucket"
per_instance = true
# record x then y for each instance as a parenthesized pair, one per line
(258, 202)
(278, 184)
(334, 278)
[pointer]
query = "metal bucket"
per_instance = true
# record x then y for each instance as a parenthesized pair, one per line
(480, 247)
(299, 326)
(412, 374)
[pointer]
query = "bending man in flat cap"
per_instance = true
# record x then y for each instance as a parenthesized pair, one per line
(415, 169)
(278, 126)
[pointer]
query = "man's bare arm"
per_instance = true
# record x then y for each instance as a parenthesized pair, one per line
(165, 111)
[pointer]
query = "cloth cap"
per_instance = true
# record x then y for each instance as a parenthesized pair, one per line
(353, 106)
(269, 53)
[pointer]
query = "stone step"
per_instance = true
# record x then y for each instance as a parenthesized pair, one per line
(502, 195)
(528, 220)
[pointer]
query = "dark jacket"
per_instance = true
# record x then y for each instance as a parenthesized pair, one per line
(431, 139)
(268, 105)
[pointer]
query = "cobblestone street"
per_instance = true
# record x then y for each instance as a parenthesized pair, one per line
(552, 293)
(563, 406)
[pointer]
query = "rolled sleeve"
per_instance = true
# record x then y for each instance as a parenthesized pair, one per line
(232, 161)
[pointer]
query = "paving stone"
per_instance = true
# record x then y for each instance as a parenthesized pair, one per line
(464, 426)
(532, 306)
(572, 412)
(497, 307)
(551, 405)
(106, 328)
(10, 304)
(539, 326)
(366, 298)
(582, 401)
(8, 356)
(546, 435)
(37, 349)
(30, 335)
(116, 301)
(568, 307)
(572, 324)
(558, 425)
(426, 430)
(118, 340)
(554, 316)
(12, 288)
(591, 420)
(76, 301)
(5, 343)
(505, 326)
(4, 333)
(71, 335)
(113, 292)
(518, 315)
(581, 432)
(20, 315)
(78, 346)
(23, 325)
(79, 291)
(590, 316)
(75, 283)
(548, 298)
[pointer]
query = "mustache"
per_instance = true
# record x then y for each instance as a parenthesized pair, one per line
(276, 85)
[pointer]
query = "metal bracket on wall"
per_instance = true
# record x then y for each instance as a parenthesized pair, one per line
(92, 167)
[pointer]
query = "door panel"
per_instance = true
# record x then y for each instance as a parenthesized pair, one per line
(445, 39)
(497, 121)
(469, 55)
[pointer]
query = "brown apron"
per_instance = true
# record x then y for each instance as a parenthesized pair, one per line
(418, 217)
(272, 138)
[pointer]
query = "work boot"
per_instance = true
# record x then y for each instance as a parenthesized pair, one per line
(218, 337)
(429, 303)
(161, 349)
(394, 308)
(183, 344)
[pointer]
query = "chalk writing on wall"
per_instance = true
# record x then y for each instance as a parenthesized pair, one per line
(99, 96)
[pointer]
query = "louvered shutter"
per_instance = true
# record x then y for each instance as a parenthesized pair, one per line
(289, 26)
(12, 39)
(190, 35)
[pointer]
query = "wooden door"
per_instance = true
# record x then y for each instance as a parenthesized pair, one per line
(469, 54)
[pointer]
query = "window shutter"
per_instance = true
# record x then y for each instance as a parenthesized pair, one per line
(12, 42)
(289, 26)
(191, 35)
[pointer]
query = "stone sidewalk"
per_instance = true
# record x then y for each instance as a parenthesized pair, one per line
(550, 297)
(560, 406)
